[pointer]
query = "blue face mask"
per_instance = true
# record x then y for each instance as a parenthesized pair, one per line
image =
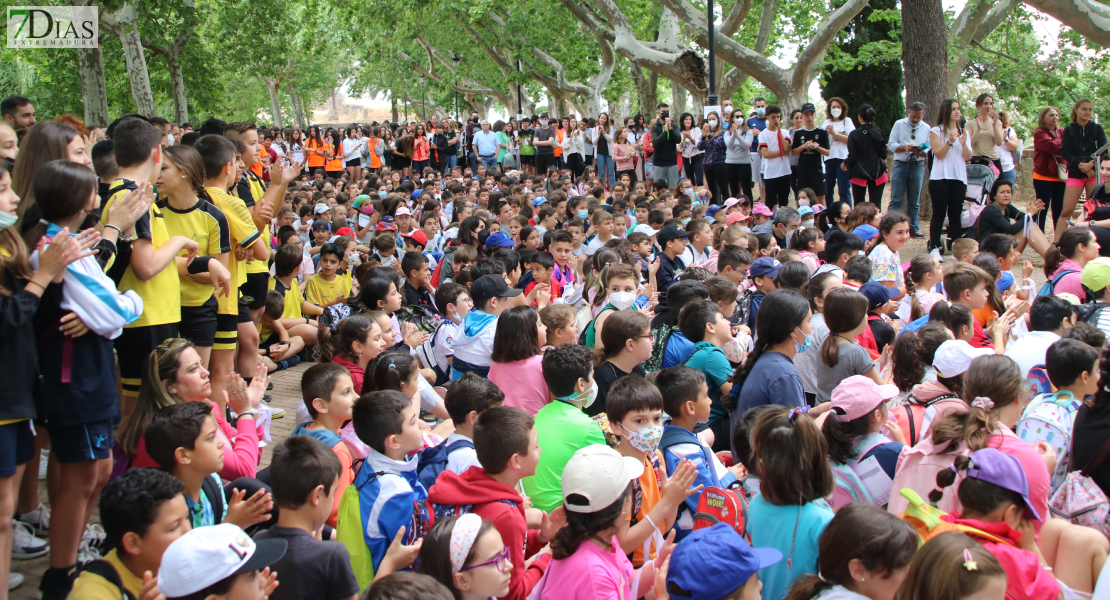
(760, 111)
(583, 214)
(382, 193)
(803, 347)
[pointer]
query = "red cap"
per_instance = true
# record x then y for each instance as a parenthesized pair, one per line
(417, 236)
(345, 231)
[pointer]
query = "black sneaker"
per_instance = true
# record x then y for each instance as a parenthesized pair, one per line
(267, 398)
(269, 386)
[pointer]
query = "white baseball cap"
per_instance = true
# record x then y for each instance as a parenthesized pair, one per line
(403, 211)
(953, 358)
(645, 229)
(206, 556)
(600, 475)
(320, 208)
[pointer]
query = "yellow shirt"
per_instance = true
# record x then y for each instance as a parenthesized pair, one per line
(256, 188)
(207, 226)
(293, 299)
(320, 292)
(161, 294)
(94, 587)
(243, 233)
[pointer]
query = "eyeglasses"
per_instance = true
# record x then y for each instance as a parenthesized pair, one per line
(500, 562)
(649, 335)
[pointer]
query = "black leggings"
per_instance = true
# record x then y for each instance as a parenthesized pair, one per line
(717, 182)
(778, 191)
(1052, 193)
(874, 192)
(948, 200)
(693, 166)
(739, 180)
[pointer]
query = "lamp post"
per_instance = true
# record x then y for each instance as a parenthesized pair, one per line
(456, 59)
(712, 100)
(423, 93)
(519, 106)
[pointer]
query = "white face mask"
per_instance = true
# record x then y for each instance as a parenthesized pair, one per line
(622, 300)
(738, 120)
(644, 439)
(589, 395)
(712, 122)
(835, 112)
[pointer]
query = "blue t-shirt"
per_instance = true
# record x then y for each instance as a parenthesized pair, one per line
(757, 300)
(756, 123)
(712, 361)
(774, 527)
(774, 380)
(678, 350)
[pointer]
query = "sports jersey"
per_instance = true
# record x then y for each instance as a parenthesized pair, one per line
(334, 164)
(161, 294)
(293, 299)
(244, 233)
(250, 189)
(320, 291)
(207, 226)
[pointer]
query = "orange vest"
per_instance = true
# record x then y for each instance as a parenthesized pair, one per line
(375, 160)
(334, 164)
(315, 160)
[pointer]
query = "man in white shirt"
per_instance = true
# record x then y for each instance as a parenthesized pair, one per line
(906, 137)
(1049, 318)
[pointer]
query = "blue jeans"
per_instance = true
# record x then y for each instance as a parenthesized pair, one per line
(1009, 176)
(606, 168)
(490, 162)
(452, 162)
(835, 176)
(906, 183)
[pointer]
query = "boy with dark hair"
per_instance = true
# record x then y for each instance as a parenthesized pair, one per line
(705, 325)
(416, 271)
(329, 395)
(698, 251)
(327, 286)
(305, 476)
(453, 302)
(839, 248)
(1002, 247)
(1049, 318)
(385, 495)
(603, 224)
(507, 446)
(466, 400)
(142, 511)
(562, 426)
(672, 239)
(669, 346)
(562, 249)
(857, 271)
(543, 270)
(277, 347)
(967, 284)
(686, 400)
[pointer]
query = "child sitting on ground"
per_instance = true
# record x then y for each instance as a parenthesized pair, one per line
(219, 562)
(277, 348)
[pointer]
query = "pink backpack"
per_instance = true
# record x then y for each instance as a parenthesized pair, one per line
(917, 470)
(1080, 500)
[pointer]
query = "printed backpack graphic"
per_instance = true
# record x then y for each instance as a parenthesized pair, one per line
(1050, 418)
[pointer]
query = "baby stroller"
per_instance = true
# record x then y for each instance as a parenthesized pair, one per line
(980, 181)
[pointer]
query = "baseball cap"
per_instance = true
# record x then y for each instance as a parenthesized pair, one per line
(731, 202)
(386, 224)
(712, 210)
(736, 217)
(805, 211)
(713, 562)
(499, 240)
(865, 232)
(320, 208)
(206, 556)
(877, 294)
(644, 229)
(1096, 274)
(416, 194)
(764, 266)
(953, 358)
(672, 232)
(491, 286)
(538, 201)
(761, 209)
(598, 474)
(858, 396)
(819, 208)
(1003, 470)
(345, 231)
(402, 211)
(808, 107)
(417, 236)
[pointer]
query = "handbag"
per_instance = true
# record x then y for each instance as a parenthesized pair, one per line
(1061, 168)
(1080, 500)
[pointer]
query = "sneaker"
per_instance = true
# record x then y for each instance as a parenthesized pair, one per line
(14, 580)
(38, 519)
(266, 398)
(94, 535)
(44, 459)
(277, 413)
(24, 544)
(86, 553)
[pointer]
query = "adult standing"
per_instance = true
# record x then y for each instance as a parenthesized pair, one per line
(1050, 171)
(866, 162)
(451, 152)
(1006, 149)
(692, 155)
(352, 158)
(757, 123)
(665, 139)
(591, 131)
(986, 132)
(774, 146)
(951, 146)
(574, 149)
(839, 126)
(713, 145)
(544, 140)
(602, 140)
(502, 143)
(810, 146)
(316, 148)
(472, 127)
(738, 156)
(486, 146)
(906, 138)
(1081, 138)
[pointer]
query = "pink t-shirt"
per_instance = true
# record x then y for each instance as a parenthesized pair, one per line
(590, 574)
(1070, 283)
(523, 384)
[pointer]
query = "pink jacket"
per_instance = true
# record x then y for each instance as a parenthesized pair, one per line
(1070, 283)
(1025, 578)
(623, 157)
(241, 452)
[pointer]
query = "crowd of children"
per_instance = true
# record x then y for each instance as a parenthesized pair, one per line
(531, 386)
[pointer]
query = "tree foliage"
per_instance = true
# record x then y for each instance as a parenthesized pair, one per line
(864, 64)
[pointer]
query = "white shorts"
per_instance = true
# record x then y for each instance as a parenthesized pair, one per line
(757, 174)
(1070, 594)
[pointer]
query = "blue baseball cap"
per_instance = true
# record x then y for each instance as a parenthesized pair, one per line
(865, 232)
(499, 240)
(764, 267)
(714, 562)
(877, 294)
(712, 210)
(538, 200)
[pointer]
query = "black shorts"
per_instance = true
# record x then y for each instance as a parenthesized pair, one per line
(813, 181)
(527, 159)
(254, 290)
(133, 347)
(333, 174)
(543, 162)
(401, 162)
(354, 162)
(244, 312)
(17, 446)
(80, 443)
(270, 340)
(198, 323)
(227, 332)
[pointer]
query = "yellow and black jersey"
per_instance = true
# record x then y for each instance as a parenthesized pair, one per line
(243, 233)
(161, 294)
(320, 291)
(293, 299)
(207, 226)
(250, 190)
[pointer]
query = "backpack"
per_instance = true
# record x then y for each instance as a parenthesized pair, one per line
(1090, 312)
(925, 520)
(717, 505)
(1036, 381)
(424, 319)
(660, 336)
(914, 417)
(426, 354)
(105, 569)
(1049, 286)
(1051, 418)
(850, 485)
(433, 461)
(1080, 500)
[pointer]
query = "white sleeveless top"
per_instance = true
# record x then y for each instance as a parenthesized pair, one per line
(952, 166)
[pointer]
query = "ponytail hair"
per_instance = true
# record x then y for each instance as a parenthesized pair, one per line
(920, 266)
(845, 309)
(389, 371)
(338, 343)
(1066, 248)
(976, 496)
(803, 237)
(788, 310)
(991, 383)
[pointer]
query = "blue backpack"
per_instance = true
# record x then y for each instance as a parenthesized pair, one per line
(1049, 286)
(433, 461)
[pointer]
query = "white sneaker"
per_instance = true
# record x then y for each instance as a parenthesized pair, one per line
(94, 535)
(44, 458)
(38, 519)
(24, 544)
(86, 552)
(277, 412)
(14, 580)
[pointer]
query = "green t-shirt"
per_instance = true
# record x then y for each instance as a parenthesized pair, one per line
(503, 139)
(526, 147)
(712, 361)
(562, 429)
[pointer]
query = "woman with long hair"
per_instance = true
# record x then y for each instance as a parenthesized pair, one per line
(1064, 260)
(386, 145)
(986, 131)
(951, 146)
(316, 148)
(1050, 172)
(403, 151)
(1081, 138)
(713, 144)
(419, 150)
(352, 154)
(603, 149)
(738, 157)
(333, 164)
(294, 141)
(692, 156)
(768, 375)
(1001, 216)
(866, 162)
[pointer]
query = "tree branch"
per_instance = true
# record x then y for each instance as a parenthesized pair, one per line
(1089, 18)
(994, 52)
(735, 18)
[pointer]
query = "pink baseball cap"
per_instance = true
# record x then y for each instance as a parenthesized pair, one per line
(761, 209)
(731, 202)
(859, 396)
(736, 217)
(402, 211)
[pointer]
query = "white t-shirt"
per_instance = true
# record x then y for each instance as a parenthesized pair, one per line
(842, 127)
(886, 265)
(1004, 155)
(1030, 350)
(952, 166)
(462, 458)
(779, 166)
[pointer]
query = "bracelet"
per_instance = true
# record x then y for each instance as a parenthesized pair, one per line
(648, 517)
(306, 320)
(36, 283)
(110, 226)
